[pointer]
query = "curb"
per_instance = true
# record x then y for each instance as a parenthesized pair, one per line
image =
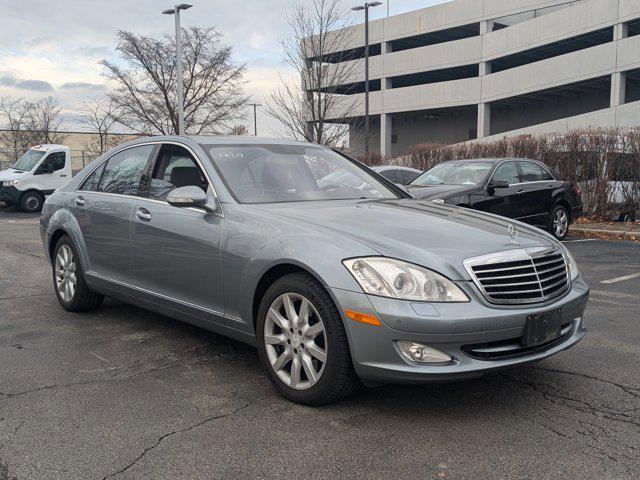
(622, 233)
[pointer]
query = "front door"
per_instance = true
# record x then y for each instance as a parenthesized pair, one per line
(176, 251)
(538, 185)
(48, 182)
(503, 201)
(103, 207)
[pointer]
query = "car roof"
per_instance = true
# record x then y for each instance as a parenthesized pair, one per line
(244, 140)
(381, 168)
(489, 160)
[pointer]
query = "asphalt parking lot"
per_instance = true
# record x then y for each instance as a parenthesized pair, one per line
(123, 393)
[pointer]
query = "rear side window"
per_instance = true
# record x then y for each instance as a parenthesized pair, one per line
(391, 175)
(532, 172)
(507, 172)
(407, 176)
(123, 171)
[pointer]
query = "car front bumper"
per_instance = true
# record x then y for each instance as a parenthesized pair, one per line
(464, 331)
(10, 195)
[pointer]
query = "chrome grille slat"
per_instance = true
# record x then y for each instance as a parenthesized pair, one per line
(520, 276)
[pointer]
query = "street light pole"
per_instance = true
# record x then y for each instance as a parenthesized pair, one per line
(179, 80)
(367, 133)
(255, 118)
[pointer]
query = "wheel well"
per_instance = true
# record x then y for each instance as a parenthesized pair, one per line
(34, 190)
(270, 276)
(54, 241)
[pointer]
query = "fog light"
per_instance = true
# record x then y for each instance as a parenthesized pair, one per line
(417, 352)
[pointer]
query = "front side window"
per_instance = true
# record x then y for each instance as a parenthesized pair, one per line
(455, 173)
(123, 171)
(532, 172)
(507, 172)
(57, 159)
(29, 160)
(174, 168)
(292, 173)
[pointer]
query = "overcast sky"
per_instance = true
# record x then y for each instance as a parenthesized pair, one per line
(52, 47)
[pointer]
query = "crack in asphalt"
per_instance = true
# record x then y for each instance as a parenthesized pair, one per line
(606, 412)
(634, 391)
(183, 430)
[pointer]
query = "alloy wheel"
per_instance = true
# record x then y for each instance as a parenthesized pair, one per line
(65, 272)
(295, 341)
(560, 223)
(32, 202)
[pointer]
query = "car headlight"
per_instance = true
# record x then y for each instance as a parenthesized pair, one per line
(573, 265)
(439, 201)
(388, 277)
(10, 183)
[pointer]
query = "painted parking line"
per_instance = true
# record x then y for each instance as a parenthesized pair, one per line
(621, 279)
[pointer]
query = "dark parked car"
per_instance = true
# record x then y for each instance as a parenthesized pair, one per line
(519, 188)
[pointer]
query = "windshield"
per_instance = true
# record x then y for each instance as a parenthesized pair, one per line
(455, 173)
(28, 160)
(292, 173)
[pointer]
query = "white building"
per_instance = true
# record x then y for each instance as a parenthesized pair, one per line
(472, 69)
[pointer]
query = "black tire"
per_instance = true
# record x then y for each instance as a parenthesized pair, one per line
(559, 233)
(31, 201)
(339, 378)
(83, 299)
(627, 217)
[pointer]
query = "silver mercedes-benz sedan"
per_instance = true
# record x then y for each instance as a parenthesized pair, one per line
(337, 282)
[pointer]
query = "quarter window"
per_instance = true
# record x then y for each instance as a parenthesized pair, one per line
(507, 172)
(532, 172)
(123, 171)
(390, 175)
(92, 182)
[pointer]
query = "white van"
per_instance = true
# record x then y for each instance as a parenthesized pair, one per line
(40, 171)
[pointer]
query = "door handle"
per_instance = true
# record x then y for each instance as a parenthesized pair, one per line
(79, 201)
(62, 175)
(520, 191)
(143, 214)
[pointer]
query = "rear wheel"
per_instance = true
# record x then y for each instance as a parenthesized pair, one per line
(559, 222)
(31, 201)
(302, 342)
(68, 279)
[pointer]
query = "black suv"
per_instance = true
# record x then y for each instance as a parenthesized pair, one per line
(519, 188)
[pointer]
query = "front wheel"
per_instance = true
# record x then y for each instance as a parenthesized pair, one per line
(559, 222)
(302, 342)
(31, 202)
(68, 280)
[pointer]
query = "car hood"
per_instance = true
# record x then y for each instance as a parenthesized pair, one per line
(439, 237)
(439, 191)
(10, 174)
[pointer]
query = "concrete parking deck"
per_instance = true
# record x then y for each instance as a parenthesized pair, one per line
(123, 393)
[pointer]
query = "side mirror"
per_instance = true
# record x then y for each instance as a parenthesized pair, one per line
(498, 184)
(189, 196)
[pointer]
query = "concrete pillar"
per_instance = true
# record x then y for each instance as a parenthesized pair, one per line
(619, 79)
(385, 134)
(485, 68)
(484, 120)
(486, 26)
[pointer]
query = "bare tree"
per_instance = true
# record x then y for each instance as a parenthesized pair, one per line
(15, 120)
(27, 122)
(239, 129)
(144, 90)
(319, 48)
(46, 119)
(97, 114)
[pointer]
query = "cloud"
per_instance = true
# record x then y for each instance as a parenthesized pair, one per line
(81, 86)
(97, 51)
(28, 84)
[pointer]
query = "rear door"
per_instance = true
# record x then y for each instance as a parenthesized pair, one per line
(503, 201)
(539, 186)
(103, 208)
(176, 251)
